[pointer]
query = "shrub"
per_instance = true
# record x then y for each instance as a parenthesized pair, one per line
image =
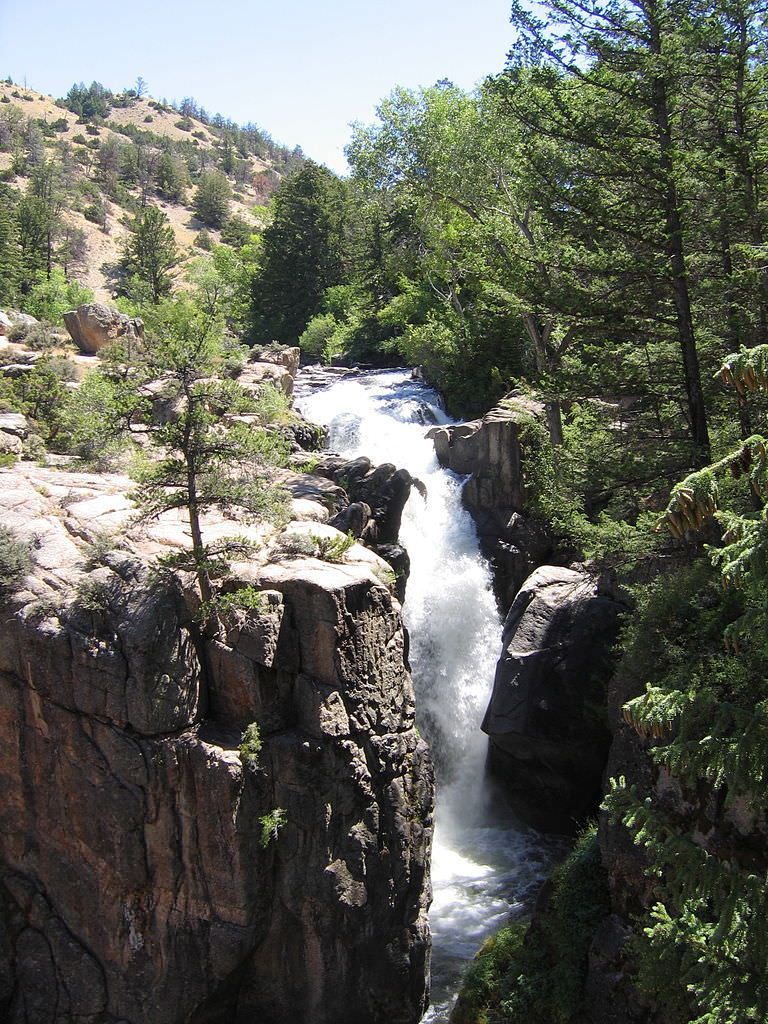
(96, 552)
(271, 824)
(211, 202)
(17, 332)
(41, 338)
(15, 560)
(326, 336)
(333, 549)
(204, 240)
(50, 297)
(272, 405)
(250, 746)
(236, 232)
(92, 594)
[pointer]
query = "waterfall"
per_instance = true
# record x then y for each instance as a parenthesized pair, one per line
(485, 865)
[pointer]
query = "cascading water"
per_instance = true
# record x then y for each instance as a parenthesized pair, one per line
(485, 865)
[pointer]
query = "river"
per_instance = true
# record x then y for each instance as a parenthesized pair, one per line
(486, 866)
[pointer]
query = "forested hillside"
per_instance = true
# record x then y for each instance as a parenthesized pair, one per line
(79, 174)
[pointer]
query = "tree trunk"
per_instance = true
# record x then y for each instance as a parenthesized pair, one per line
(676, 253)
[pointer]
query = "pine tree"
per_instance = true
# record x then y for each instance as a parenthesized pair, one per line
(622, 70)
(9, 248)
(212, 197)
(301, 253)
(150, 251)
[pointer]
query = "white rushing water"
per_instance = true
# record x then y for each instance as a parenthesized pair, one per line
(485, 866)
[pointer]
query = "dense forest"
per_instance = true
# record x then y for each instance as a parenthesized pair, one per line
(587, 227)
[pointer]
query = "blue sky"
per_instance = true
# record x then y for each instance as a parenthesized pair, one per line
(302, 70)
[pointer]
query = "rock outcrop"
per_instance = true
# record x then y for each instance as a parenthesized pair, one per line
(546, 719)
(142, 879)
(255, 375)
(490, 452)
(288, 356)
(93, 325)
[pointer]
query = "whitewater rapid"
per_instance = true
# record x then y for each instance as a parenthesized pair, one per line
(485, 865)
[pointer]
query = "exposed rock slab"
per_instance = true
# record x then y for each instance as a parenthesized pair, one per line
(546, 719)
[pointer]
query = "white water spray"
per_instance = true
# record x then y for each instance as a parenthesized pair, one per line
(484, 864)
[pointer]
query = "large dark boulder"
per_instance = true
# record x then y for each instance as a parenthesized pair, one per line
(546, 720)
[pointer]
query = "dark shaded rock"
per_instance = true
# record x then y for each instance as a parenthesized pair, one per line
(398, 558)
(385, 489)
(352, 519)
(546, 719)
(305, 436)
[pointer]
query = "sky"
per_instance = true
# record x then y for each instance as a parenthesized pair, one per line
(301, 69)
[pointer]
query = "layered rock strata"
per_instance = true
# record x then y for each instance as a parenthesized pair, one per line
(490, 452)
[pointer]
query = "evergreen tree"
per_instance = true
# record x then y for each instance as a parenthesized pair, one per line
(212, 197)
(205, 462)
(150, 251)
(9, 247)
(302, 253)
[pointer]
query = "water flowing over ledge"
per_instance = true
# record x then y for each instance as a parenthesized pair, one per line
(485, 865)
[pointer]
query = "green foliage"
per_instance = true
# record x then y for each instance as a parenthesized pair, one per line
(698, 648)
(236, 231)
(317, 341)
(300, 254)
(535, 975)
(272, 405)
(51, 296)
(243, 602)
(204, 461)
(251, 745)
(92, 594)
(271, 824)
(97, 550)
(96, 419)
(333, 549)
(212, 198)
(92, 102)
(150, 252)
(15, 561)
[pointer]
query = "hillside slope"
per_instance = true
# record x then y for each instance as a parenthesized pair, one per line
(112, 165)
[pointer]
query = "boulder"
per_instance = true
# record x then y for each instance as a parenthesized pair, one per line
(93, 325)
(547, 719)
(14, 423)
(25, 319)
(385, 489)
(5, 323)
(255, 375)
(281, 355)
(10, 444)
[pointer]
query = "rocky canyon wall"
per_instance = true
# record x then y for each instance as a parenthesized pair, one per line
(144, 876)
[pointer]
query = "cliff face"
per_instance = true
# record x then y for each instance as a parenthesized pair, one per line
(138, 881)
(490, 451)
